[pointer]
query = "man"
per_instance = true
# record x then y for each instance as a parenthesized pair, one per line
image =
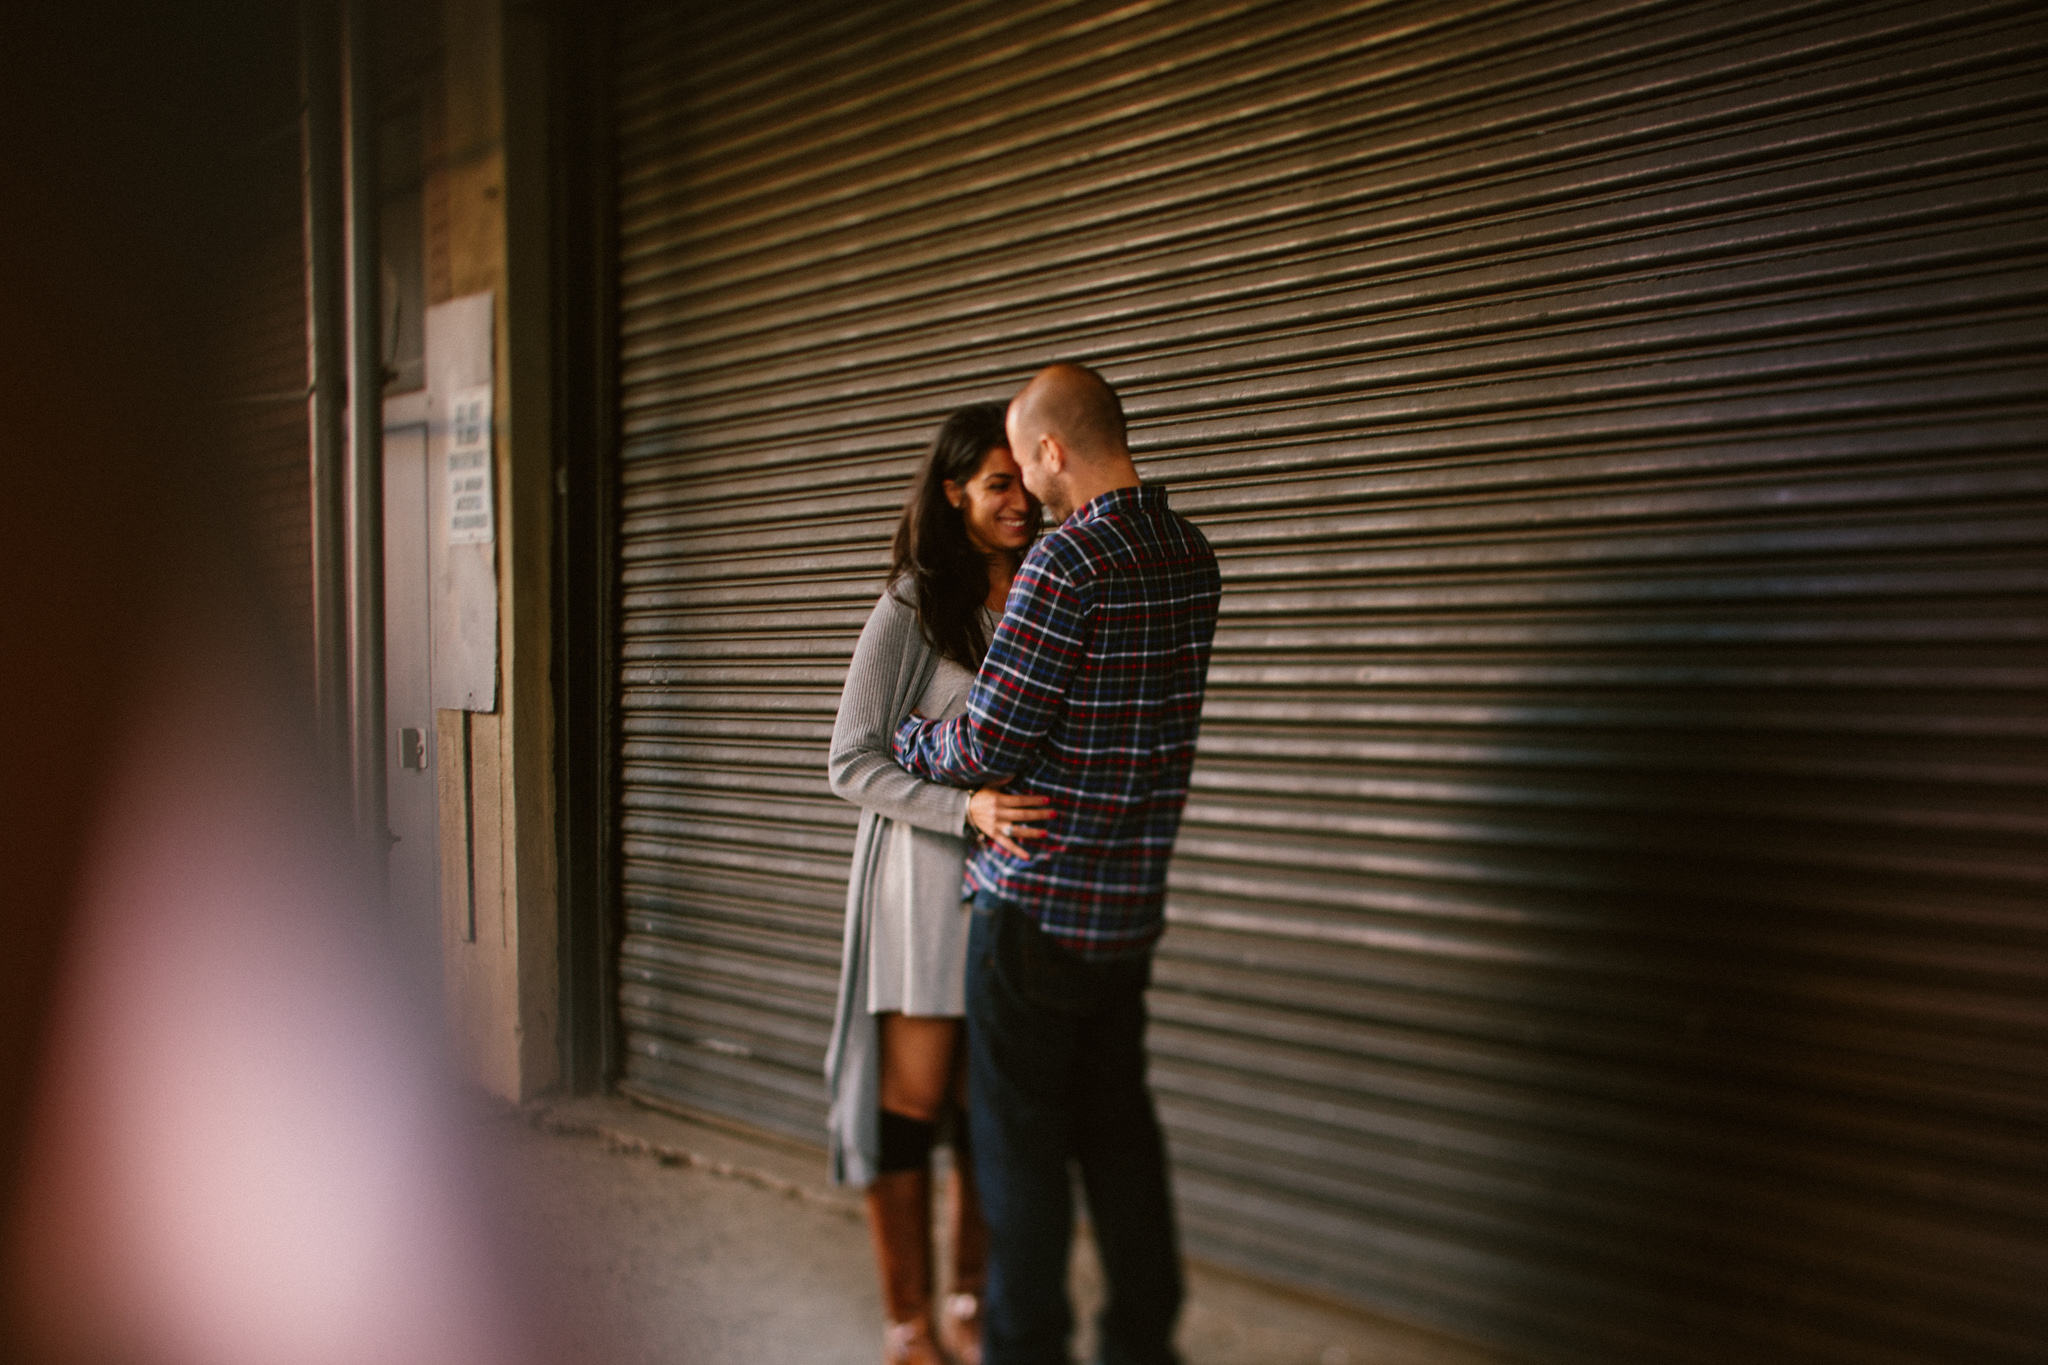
(1091, 695)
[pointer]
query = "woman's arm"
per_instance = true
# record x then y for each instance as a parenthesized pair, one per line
(861, 768)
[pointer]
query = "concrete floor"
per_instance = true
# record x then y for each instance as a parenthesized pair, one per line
(680, 1242)
(679, 1264)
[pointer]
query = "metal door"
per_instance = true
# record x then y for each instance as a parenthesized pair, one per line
(414, 867)
(1609, 921)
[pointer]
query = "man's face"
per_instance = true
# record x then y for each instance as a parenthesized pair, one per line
(1028, 449)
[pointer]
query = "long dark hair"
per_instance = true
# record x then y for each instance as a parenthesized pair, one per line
(931, 548)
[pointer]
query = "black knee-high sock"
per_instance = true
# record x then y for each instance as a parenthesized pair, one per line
(906, 1143)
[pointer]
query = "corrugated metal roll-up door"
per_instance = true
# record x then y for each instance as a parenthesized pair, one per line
(260, 371)
(1609, 922)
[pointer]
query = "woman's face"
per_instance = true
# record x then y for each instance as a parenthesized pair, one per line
(997, 513)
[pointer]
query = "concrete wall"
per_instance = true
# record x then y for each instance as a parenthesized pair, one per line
(486, 221)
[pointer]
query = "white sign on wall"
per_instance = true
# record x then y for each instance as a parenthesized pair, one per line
(463, 557)
(469, 467)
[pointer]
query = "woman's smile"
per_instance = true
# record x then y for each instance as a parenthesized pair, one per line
(995, 510)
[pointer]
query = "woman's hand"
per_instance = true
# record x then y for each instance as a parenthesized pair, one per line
(1005, 820)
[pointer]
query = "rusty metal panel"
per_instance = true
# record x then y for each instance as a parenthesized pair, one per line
(1611, 920)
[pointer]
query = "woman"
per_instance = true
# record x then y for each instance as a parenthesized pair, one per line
(896, 1065)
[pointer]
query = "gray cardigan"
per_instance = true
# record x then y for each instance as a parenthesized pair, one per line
(892, 666)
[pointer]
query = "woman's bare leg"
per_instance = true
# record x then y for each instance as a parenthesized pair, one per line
(920, 1056)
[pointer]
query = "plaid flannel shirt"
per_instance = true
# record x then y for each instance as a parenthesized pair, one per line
(1091, 694)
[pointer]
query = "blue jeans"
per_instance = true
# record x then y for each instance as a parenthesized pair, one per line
(1056, 1070)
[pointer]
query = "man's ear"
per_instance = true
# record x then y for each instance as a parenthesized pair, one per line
(954, 492)
(1053, 454)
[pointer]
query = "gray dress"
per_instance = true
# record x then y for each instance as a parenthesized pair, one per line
(917, 925)
(903, 910)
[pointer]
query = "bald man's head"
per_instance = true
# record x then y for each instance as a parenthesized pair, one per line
(1066, 432)
(1077, 407)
